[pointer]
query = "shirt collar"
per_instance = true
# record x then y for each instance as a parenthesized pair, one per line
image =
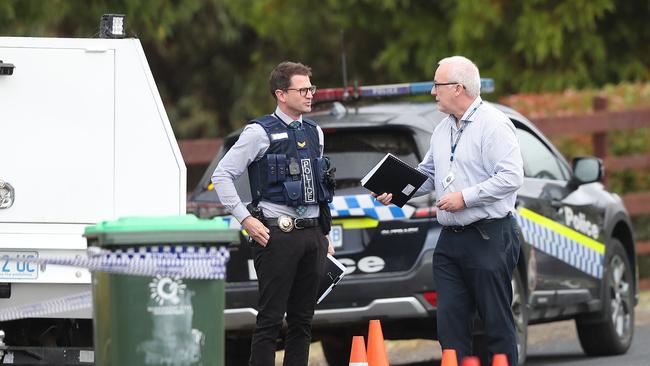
(470, 113)
(284, 118)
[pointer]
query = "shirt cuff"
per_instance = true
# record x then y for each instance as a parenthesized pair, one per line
(240, 212)
(470, 196)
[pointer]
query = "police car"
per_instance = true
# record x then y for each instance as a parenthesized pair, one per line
(577, 260)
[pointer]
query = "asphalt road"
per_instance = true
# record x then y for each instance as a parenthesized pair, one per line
(548, 344)
(569, 353)
(563, 351)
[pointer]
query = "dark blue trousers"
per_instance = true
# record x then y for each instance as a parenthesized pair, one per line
(472, 268)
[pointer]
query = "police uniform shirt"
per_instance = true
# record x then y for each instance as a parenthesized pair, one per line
(487, 165)
(251, 146)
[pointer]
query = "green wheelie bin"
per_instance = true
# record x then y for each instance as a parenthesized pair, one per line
(158, 319)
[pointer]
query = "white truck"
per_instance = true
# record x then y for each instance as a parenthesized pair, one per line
(84, 137)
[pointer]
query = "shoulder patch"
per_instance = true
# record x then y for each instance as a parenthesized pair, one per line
(279, 136)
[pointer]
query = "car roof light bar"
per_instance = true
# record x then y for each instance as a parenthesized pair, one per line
(385, 90)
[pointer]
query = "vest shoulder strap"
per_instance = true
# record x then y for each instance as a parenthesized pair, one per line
(309, 122)
(266, 121)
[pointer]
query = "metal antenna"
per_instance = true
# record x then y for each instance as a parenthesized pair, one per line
(344, 66)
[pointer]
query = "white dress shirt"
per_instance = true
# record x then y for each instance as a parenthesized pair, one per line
(487, 165)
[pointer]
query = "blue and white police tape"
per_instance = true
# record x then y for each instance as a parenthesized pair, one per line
(82, 300)
(207, 263)
(182, 261)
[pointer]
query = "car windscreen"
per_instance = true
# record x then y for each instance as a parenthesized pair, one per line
(355, 151)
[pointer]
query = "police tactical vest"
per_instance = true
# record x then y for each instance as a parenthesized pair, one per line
(291, 173)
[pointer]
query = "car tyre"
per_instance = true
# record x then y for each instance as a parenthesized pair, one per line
(610, 333)
(336, 348)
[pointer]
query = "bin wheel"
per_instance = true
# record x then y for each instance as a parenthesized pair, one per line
(238, 351)
(336, 348)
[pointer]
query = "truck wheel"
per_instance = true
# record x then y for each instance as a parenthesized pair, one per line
(336, 348)
(520, 315)
(238, 351)
(611, 332)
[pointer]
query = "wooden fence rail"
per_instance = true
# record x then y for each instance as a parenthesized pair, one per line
(599, 121)
(637, 203)
(617, 163)
(599, 124)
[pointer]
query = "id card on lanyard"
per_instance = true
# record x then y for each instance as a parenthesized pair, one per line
(447, 182)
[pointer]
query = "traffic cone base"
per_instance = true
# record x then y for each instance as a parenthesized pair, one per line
(449, 358)
(376, 349)
(358, 352)
(471, 361)
(500, 359)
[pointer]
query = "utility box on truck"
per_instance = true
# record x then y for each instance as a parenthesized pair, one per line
(84, 137)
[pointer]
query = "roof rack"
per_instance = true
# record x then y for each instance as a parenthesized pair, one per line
(385, 90)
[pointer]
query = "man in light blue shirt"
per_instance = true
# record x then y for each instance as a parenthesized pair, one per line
(282, 152)
(475, 166)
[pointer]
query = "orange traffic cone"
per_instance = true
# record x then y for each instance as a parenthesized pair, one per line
(471, 361)
(358, 353)
(449, 358)
(500, 360)
(376, 349)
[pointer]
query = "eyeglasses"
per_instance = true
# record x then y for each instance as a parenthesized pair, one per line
(303, 91)
(437, 84)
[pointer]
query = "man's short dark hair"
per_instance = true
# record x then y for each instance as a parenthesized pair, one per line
(280, 77)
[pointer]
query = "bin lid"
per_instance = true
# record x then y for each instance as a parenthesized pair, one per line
(161, 230)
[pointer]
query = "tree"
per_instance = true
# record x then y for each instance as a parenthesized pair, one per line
(211, 58)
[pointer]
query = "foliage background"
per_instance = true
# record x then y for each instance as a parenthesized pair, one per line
(211, 58)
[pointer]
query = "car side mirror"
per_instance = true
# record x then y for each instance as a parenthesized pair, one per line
(586, 170)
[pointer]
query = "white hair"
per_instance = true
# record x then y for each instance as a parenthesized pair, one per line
(463, 71)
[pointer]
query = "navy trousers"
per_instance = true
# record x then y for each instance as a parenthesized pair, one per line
(472, 268)
(288, 271)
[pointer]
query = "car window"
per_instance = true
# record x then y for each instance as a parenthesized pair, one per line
(242, 184)
(539, 161)
(355, 151)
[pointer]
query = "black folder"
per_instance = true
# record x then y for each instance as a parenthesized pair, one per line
(392, 175)
(334, 272)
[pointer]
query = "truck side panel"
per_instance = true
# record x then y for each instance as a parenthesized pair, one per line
(57, 120)
(85, 138)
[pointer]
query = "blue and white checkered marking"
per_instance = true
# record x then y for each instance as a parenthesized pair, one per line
(364, 205)
(562, 247)
(232, 222)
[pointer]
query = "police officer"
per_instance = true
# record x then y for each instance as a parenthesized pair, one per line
(283, 154)
(475, 165)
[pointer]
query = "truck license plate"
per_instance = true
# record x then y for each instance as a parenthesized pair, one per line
(336, 236)
(14, 265)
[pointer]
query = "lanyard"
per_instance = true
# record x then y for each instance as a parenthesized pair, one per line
(464, 122)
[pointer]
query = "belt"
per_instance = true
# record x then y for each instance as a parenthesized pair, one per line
(287, 223)
(475, 225)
